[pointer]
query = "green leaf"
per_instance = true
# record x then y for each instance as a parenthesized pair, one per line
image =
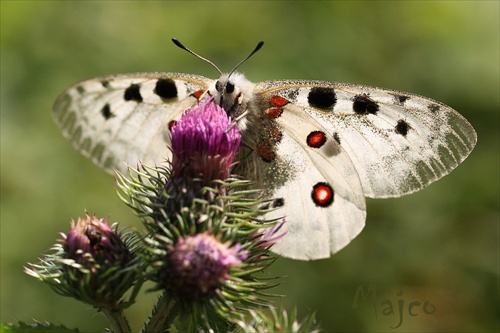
(36, 327)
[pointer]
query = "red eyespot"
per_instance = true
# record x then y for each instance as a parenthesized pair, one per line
(278, 101)
(275, 134)
(322, 194)
(274, 112)
(197, 94)
(265, 152)
(316, 139)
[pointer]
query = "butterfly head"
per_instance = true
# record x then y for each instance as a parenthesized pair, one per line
(233, 92)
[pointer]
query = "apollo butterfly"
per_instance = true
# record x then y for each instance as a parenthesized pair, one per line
(317, 147)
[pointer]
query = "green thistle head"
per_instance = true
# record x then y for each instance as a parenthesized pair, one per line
(93, 263)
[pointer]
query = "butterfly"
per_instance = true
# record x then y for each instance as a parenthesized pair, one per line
(318, 147)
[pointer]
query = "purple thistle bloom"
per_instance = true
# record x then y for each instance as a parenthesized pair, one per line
(94, 237)
(199, 264)
(97, 272)
(204, 143)
(269, 237)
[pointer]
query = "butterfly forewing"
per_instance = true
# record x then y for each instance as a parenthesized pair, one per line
(398, 142)
(123, 119)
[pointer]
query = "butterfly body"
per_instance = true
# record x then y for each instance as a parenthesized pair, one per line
(317, 147)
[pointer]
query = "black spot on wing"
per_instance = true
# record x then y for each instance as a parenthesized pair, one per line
(279, 202)
(106, 112)
(400, 99)
(336, 137)
(80, 89)
(292, 94)
(105, 84)
(166, 88)
(133, 93)
(276, 203)
(363, 105)
(402, 127)
(322, 98)
(433, 108)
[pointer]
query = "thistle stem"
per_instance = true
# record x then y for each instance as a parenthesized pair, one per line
(163, 315)
(117, 320)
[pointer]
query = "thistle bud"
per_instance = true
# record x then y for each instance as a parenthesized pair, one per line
(92, 240)
(92, 264)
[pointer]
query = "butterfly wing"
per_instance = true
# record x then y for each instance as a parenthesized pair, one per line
(318, 147)
(322, 197)
(398, 142)
(317, 139)
(119, 120)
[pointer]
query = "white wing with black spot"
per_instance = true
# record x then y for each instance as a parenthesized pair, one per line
(119, 120)
(398, 142)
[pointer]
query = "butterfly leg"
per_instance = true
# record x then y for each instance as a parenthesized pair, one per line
(235, 120)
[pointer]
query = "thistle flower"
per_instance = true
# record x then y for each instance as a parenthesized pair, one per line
(269, 236)
(93, 263)
(204, 143)
(206, 236)
(212, 248)
(206, 256)
(197, 265)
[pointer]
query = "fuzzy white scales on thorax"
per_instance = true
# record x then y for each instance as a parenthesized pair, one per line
(317, 147)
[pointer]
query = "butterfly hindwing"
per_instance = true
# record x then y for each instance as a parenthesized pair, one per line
(123, 119)
(322, 197)
(398, 142)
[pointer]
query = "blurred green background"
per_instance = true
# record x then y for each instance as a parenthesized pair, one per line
(439, 246)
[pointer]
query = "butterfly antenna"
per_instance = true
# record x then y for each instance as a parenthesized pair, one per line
(180, 45)
(259, 45)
